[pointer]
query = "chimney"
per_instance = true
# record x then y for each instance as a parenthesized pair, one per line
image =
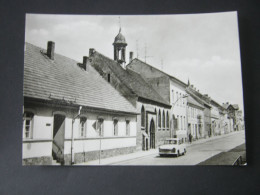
(85, 63)
(131, 54)
(50, 49)
(91, 51)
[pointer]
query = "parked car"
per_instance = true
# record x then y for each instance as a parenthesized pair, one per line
(172, 146)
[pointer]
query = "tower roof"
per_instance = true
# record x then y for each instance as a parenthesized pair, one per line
(120, 39)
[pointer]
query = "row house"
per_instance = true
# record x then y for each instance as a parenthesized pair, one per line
(153, 123)
(70, 114)
(215, 119)
(195, 113)
(171, 89)
(205, 118)
(236, 115)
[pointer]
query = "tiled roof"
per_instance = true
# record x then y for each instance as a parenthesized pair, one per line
(62, 79)
(191, 100)
(197, 96)
(138, 61)
(235, 106)
(129, 78)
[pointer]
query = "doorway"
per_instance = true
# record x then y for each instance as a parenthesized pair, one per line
(58, 138)
(152, 134)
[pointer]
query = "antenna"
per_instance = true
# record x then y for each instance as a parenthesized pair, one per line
(145, 53)
(161, 63)
(137, 54)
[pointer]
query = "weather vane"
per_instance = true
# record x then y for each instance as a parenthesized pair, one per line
(119, 22)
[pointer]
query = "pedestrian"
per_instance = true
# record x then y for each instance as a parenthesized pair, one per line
(190, 138)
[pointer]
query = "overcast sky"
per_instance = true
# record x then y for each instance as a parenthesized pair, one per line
(203, 48)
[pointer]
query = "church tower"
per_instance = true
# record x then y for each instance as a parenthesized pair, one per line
(119, 48)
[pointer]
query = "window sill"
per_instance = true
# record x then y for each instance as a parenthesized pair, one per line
(30, 140)
(93, 138)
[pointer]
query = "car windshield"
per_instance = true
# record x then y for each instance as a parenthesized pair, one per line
(171, 142)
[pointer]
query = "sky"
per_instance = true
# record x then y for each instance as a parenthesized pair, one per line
(203, 48)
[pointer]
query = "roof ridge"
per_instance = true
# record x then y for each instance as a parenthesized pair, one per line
(150, 86)
(54, 52)
(158, 70)
(118, 67)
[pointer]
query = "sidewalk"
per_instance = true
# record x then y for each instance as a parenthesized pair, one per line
(141, 154)
(203, 140)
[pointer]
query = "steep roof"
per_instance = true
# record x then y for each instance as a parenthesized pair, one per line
(235, 106)
(191, 100)
(129, 78)
(138, 61)
(197, 96)
(62, 79)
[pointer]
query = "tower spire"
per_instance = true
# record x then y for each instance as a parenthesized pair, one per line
(119, 23)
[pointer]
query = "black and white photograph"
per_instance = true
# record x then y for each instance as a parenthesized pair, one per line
(133, 90)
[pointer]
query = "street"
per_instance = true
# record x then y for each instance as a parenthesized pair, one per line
(196, 153)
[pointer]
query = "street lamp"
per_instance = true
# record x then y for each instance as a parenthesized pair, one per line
(182, 97)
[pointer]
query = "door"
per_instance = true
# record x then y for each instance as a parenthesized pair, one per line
(152, 134)
(58, 138)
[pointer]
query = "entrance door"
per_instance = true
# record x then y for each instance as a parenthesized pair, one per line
(152, 134)
(58, 138)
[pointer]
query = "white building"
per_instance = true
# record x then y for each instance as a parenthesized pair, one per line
(71, 114)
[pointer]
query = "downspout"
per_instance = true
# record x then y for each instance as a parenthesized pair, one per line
(72, 136)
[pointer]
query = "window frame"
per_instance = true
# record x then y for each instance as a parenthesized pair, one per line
(84, 129)
(115, 127)
(127, 128)
(25, 119)
(100, 124)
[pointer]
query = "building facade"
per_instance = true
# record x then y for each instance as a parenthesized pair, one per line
(195, 113)
(153, 121)
(71, 115)
(171, 89)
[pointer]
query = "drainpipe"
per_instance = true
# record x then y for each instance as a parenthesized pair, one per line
(72, 136)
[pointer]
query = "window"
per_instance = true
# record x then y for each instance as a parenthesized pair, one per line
(181, 123)
(167, 120)
(163, 120)
(172, 96)
(142, 117)
(115, 127)
(100, 127)
(177, 96)
(184, 124)
(159, 119)
(108, 77)
(178, 122)
(83, 121)
(27, 124)
(127, 122)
